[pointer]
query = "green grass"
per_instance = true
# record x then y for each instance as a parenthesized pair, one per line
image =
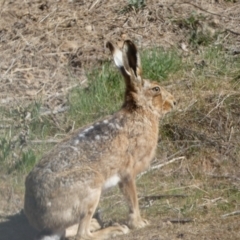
(133, 5)
(196, 35)
(103, 96)
(158, 64)
(17, 153)
(220, 63)
(27, 161)
(136, 3)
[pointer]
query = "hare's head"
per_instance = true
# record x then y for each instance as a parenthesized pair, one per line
(140, 93)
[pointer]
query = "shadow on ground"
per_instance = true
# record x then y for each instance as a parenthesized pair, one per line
(16, 227)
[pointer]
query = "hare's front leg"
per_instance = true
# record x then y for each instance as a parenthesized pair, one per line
(128, 187)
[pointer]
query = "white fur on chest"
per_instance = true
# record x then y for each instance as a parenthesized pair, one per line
(111, 182)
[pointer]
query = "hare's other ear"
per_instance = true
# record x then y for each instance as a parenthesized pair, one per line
(117, 54)
(131, 59)
(128, 62)
(118, 59)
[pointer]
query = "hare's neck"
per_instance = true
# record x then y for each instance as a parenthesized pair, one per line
(141, 121)
(150, 123)
(131, 99)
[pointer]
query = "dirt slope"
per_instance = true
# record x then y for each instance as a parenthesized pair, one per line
(45, 45)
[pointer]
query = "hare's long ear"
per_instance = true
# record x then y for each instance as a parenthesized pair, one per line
(132, 61)
(128, 62)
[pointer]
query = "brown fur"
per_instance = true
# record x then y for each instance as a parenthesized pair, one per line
(64, 188)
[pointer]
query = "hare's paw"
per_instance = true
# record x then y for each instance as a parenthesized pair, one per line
(105, 233)
(118, 229)
(72, 231)
(94, 225)
(137, 222)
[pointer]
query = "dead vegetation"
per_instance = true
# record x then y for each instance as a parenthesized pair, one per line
(47, 49)
(45, 45)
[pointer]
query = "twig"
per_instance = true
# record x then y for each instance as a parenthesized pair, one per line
(204, 10)
(229, 145)
(93, 5)
(181, 151)
(2, 126)
(215, 107)
(211, 201)
(2, 7)
(216, 14)
(156, 197)
(186, 220)
(231, 31)
(24, 39)
(166, 163)
(190, 172)
(189, 106)
(40, 89)
(10, 67)
(46, 141)
(195, 186)
(49, 112)
(224, 176)
(44, 18)
(231, 214)
(160, 165)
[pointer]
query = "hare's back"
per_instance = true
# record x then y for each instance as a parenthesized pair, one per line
(78, 157)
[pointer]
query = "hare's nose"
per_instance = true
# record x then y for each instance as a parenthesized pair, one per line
(174, 103)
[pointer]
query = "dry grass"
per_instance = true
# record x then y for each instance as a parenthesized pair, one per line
(46, 50)
(45, 45)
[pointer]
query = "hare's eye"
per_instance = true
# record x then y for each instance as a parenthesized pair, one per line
(156, 89)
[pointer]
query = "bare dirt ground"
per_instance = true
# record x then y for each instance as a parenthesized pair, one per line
(45, 47)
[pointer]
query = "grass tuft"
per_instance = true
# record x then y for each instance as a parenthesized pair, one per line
(103, 96)
(135, 5)
(26, 162)
(158, 64)
(5, 146)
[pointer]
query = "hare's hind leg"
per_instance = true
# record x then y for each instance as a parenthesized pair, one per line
(72, 231)
(110, 232)
(128, 187)
(84, 229)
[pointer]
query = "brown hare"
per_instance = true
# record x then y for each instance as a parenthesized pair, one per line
(64, 188)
